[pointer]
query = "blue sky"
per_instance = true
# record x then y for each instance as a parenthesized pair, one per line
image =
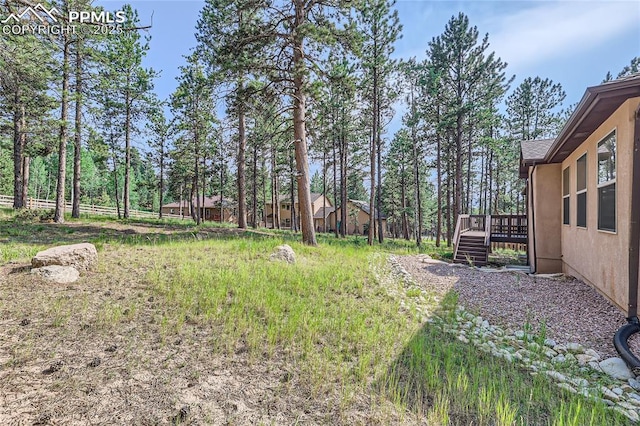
(573, 43)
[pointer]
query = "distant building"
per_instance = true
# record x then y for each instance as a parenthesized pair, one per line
(358, 213)
(212, 210)
(318, 202)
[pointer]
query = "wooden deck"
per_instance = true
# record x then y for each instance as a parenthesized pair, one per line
(475, 233)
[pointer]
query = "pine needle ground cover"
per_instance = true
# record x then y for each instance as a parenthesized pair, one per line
(197, 326)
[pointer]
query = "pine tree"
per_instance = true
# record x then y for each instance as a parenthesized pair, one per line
(475, 80)
(128, 83)
(192, 105)
(380, 28)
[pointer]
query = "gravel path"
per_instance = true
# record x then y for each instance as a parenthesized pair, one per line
(571, 310)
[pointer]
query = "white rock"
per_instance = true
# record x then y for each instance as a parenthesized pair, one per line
(566, 386)
(560, 349)
(584, 359)
(634, 384)
(82, 257)
(608, 394)
(633, 415)
(575, 348)
(550, 342)
(627, 405)
(617, 391)
(593, 354)
(595, 365)
(578, 381)
(616, 368)
(57, 274)
(559, 359)
(283, 253)
(557, 376)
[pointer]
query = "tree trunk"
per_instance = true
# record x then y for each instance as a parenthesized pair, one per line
(294, 222)
(324, 187)
(374, 140)
(344, 159)
(26, 161)
(299, 131)
(416, 173)
(127, 148)
(115, 182)
(255, 187)
(58, 216)
(335, 187)
(275, 196)
(161, 195)
(403, 203)
(75, 211)
(221, 184)
(242, 146)
(18, 148)
(439, 182)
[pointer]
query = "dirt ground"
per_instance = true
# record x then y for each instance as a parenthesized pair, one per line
(99, 352)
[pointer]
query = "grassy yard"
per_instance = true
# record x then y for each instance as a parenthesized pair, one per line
(196, 326)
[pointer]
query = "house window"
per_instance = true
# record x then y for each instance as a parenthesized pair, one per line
(172, 211)
(286, 206)
(581, 191)
(607, 183)
(565, 196)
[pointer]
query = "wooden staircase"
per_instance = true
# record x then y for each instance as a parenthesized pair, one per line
(471, 249)
(472, 240)
(475, 233)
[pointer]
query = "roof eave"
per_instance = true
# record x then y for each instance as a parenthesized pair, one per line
(620, 91)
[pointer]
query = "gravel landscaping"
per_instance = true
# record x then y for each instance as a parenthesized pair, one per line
(554, 326)
(570, 310)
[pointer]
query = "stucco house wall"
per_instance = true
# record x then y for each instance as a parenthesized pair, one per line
(544, 224)
(596, 256)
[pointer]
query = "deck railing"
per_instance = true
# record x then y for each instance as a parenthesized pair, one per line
(509, 228)
(500, 228)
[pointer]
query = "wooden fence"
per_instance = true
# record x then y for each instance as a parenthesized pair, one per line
(35, 203)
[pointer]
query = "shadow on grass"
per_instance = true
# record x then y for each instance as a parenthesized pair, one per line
(446, 381)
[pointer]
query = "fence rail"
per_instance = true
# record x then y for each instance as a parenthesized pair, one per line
(35, 203)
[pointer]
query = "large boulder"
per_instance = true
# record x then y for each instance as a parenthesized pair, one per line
(283, 253)
(82, 257)
(616, 368)
(57, 274)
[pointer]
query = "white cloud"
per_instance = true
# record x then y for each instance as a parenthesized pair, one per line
(551, 30)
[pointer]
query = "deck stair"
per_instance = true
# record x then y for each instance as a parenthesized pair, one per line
(472, 249)
(475, 233)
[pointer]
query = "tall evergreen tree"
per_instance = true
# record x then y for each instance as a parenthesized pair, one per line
(474, 78)
(129, 84)
(380, 28)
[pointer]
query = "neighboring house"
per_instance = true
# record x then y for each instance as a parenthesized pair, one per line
(357, 218)
(583, 194)
(318, 201)
(212, 210)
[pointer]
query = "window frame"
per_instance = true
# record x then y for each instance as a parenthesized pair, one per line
(582, 191)
(566, 205)
(605, 184)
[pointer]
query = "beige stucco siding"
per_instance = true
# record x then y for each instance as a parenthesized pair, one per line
(599, 257)
(547, 219)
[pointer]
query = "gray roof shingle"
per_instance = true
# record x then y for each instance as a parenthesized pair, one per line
(535, 150)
